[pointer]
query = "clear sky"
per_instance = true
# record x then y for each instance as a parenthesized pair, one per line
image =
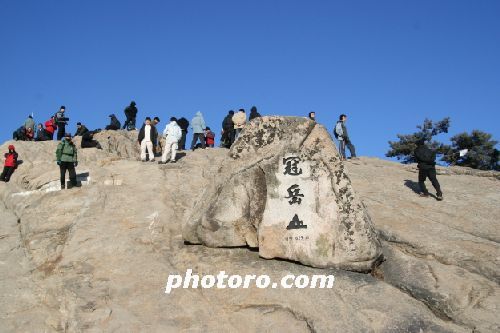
(386, 64)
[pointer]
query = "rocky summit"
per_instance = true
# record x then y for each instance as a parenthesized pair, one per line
(97, 258)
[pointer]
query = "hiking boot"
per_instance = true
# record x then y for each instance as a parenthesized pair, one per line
(439, 197)
(161, 162)
(424, 195)
(173, 161)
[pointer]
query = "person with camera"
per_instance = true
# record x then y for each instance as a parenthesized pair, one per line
(61, 122)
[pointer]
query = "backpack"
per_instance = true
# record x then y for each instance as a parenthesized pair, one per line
(335, 134)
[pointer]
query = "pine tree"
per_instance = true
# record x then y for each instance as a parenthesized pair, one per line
(481, 151)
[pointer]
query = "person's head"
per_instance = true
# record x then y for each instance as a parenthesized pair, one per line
(342, 117)
(62, 108)
(12, 149)
(241, 110)
(253, 109)
(207, 129)
(147, 121)
(156, 120)
(112, 115)
(132, 103)
(312, 115)
(67, 136)
(173, 119)
(40, 126)
(28, 130)
(78, 124)
(30, 117)
(231, 112)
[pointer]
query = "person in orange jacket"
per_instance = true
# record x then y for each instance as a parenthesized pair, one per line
(10, 164)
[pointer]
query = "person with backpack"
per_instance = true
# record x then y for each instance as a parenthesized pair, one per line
(10, 164)
(147, 135)
(172, 134)
(61, 121)
(198, 126)
(50, 128)
(67, 159)
(426, 160)
(209, 138)
(184, 125)
(227, 138)
(340, 133)
(131, 116)
(253, 113)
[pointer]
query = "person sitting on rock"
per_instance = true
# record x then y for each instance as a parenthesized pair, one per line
(23, 134)
(50, 128)
(114, 124)
(80, 129)
(147, 135)
(10, 164)
(239, 120)
(88, 140)
(209, 138)
(41, 134)
(426, 160)
(172, 134)
(67, 159)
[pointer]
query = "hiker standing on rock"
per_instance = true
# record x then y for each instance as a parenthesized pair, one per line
(227, 138)
(340, 133)
(67, 159)
(312, 115)
(172, 134)
(147, 135)
(61, 121)
(30, 123)
(131, 116)
(239, 120)
(198, 126)
(253, 113)
(40, 134)
(426, 160)
(50, 128)
(184, 125)
(10, 164)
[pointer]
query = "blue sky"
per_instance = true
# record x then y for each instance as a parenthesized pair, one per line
(386, 64)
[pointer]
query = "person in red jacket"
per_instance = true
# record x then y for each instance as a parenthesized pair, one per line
(10, 164)
(209, 137)
(50, 128)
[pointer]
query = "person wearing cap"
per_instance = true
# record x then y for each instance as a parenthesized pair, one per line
(114, 124)
(10, 164)
(67, 159)
(80, 129)
(172, 134)
(131, 116)
(147, 135)
(239, 120)
(61, 121)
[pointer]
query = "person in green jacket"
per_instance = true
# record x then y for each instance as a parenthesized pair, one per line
(67, 159)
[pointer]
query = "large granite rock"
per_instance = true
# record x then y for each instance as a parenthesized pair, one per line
(284, 190)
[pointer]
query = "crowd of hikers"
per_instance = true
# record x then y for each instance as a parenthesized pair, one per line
(175, 135)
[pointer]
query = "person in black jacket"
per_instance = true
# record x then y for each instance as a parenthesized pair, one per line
(227, 138)
(131, 115)
(80, 129)
(426, 160)
(147, 135)
(253, 113)
(114, 124)
(184, 125)
(61, 121)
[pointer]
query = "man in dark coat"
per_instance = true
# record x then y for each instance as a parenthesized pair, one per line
(184, 125)
(253, 113)
(227, 138)
(61, 121)
(80, 129)
(131, 115)
(114, 124)
(426, 160)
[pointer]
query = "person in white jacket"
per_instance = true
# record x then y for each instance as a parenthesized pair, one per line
(172, 134)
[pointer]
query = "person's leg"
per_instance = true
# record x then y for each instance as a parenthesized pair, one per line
(165, 153)
(4, 173)
(202, 140)
(182, 142)
(62, 169)
(193, 142)
(342, 149)
(352, 150)
(151, 152)
(174, 147)
(434, 181)
(422, 175)
(132, 122)
(8, 174)
(60, 132)
(143, 150)
(72, 173)
(126, 123)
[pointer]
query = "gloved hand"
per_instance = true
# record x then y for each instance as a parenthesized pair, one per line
(76, 164)
(58, 162)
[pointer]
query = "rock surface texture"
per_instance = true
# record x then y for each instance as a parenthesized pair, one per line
(284, 190)
(96, 258)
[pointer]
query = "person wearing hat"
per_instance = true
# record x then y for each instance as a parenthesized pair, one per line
(80, 129)
(147, 135)
(114, 124)
(131, 116)
(10, 164)
(61, 122)
(67, 159)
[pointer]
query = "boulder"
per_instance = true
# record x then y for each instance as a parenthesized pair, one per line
(283, 189)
